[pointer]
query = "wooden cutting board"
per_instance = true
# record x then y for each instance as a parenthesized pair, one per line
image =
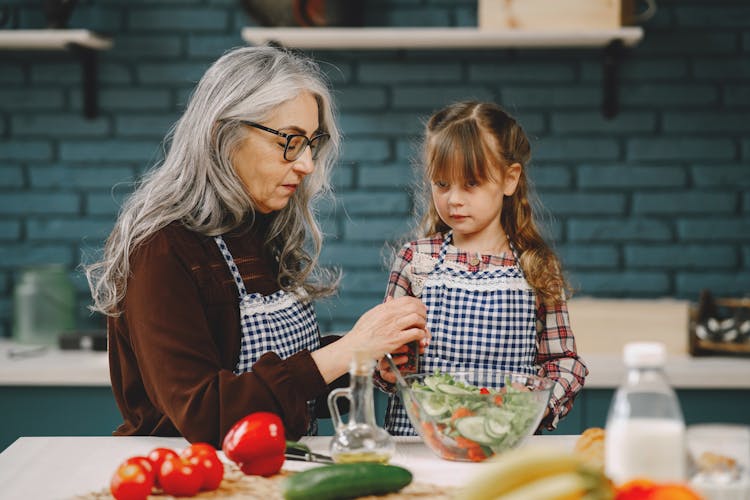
(238, 486)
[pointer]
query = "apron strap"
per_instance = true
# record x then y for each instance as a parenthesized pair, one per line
(448, 239)
(232, 266)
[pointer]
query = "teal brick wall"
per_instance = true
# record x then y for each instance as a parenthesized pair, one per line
(655, 202)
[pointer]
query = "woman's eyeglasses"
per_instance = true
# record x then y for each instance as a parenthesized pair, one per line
(295, 143)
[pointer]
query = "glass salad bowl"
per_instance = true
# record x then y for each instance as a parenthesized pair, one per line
(472, 415)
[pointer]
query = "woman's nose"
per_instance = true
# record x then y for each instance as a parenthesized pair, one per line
(304, 164)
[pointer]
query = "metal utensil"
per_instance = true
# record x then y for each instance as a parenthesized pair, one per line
(399, 378)
(301, 452)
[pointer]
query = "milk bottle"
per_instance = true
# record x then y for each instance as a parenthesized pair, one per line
(645, 433)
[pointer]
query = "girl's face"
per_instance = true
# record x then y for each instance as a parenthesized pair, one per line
(268, 178)
(473, 210)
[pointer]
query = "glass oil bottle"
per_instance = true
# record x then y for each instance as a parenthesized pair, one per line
(360, 439)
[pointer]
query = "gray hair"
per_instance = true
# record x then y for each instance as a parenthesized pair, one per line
(197, 185)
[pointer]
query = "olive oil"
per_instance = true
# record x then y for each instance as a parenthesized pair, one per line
(367, 456)
(360, 439)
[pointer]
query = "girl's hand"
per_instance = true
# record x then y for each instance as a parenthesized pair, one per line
(389, 326)
(400, 358)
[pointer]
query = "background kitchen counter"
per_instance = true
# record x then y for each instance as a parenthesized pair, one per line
(57, 392)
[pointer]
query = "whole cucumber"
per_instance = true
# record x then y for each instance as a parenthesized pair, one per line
(340, 481)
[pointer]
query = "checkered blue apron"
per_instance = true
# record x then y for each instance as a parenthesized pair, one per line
(279, 322)
(482, 320)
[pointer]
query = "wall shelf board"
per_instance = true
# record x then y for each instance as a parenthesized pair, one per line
(437, 38)
(83, 43)
(613, 42)
(52, 39)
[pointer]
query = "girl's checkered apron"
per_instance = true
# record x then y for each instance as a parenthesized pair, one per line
(482, 320)
(279, 322)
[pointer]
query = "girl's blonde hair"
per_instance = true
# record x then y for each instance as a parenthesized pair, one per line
(197, 185)
(476, 142)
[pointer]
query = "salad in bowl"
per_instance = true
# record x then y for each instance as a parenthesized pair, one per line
(473, 415)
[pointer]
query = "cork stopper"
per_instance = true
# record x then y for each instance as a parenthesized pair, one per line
(362, 363)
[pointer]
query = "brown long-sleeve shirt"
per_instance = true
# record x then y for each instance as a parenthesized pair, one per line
(173, 350)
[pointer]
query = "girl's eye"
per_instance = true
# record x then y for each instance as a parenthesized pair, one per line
(472, 184)
(441, 184)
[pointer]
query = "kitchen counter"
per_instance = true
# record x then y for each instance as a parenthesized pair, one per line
(53, 367)
(61, 467)
(25, 365)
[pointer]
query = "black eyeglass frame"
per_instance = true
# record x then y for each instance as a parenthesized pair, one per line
(290, 137)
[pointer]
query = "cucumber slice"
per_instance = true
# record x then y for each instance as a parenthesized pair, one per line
(431, 382)
(451, 389)
(473, 428)
(435, 406)
(496, 429)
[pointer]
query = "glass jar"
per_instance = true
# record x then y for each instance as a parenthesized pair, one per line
(360, 439)
(44, 303)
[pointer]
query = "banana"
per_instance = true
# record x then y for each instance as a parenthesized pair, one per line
(567, 485)
(533, 473)
(511, 469)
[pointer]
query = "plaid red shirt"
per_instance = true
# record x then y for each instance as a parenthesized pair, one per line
(556, 356)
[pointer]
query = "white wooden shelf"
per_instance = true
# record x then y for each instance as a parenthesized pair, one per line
(436, 38)
(84, 43)
(52, 40)
(611, 40)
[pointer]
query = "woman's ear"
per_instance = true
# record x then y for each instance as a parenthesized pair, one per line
(510, 178)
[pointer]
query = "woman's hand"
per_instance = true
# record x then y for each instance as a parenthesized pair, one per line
(388, 327)
(384, 328)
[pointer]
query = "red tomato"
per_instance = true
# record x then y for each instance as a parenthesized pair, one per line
(199, 449)
(461, 412)
(144, 462)
(636, 489)
(131, 482)
(462, 442)
(179, 478)
(210, 468)
(476, 454)
(484, 390)
(257, 437)
(157, 457)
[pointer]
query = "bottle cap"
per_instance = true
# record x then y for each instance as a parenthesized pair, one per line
(644, 354)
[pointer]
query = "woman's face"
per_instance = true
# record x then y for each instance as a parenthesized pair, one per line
(268, 178)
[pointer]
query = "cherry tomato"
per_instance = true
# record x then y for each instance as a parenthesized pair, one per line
(157, 457)
(179, 478)
(199, 449)
(144, 462)
(484, 390)
(131, 482)
(210, 468)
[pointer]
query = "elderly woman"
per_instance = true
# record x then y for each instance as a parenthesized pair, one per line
(209, 274)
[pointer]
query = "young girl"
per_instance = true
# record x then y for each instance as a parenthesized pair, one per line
(493, 288)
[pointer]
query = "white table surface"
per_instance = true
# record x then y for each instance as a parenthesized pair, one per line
(53, 367)
(42, 468)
